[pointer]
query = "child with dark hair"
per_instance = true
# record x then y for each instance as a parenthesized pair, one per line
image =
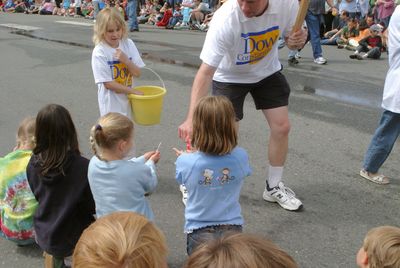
(213, 175)
(47, 8)
(57, 175)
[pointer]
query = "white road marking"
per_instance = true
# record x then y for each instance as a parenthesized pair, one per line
(20, 27)
(75, 23)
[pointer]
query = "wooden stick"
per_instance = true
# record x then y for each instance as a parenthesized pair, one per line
(301, 14)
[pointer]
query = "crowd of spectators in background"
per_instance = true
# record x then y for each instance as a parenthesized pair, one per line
(345, 25)
(169, 14)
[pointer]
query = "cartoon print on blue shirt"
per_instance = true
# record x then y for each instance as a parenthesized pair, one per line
(225, 176)
(257, 45)
(207, 176)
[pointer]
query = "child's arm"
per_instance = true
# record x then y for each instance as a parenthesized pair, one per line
(118, 88)
(336, 34)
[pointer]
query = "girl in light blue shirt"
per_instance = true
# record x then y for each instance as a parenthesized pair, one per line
(119, 184)
(213, 175)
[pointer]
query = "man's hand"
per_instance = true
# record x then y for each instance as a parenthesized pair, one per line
(296, 40)
(185, 130)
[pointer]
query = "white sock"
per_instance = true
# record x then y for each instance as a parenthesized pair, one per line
(274, 176)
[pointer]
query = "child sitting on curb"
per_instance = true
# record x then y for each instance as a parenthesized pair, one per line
(371, 45)
(17, 202)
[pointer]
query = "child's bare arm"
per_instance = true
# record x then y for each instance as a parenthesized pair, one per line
(118, 88)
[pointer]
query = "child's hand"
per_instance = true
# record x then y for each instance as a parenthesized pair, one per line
(155, 157)
(177, 151)
(136, 92)
(148, 155)
(121, 56)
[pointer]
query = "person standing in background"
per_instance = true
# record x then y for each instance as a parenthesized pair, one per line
(314, 18)
(389, 127)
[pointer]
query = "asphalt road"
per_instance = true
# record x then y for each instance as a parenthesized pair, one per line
(334, 110)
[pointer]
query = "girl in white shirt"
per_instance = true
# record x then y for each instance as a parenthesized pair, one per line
(115, 61)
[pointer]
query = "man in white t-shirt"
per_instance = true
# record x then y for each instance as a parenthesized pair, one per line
(240, 56)
(389, 127)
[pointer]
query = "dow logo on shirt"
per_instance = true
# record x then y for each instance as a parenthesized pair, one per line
(257, 45)
(120, 73)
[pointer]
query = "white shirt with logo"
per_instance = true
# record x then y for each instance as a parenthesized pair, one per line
(391, 92)
(245, 50)
(106, 69)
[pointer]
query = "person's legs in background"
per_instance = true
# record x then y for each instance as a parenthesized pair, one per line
(96, 8)
(132, 16)
(382, 142)
(313, 24)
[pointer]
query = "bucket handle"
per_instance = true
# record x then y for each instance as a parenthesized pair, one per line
(159, 77)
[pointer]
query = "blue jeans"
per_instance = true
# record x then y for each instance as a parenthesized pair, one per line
(96, 8)
(382, 142)
(202, 235)
(314, 24)
(327, 41)
(132, 15)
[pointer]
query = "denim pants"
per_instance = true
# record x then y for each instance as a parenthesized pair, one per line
(330, 42)
(132, 15)
(382, 142)
(314, 24)
(202, 235)
(373, 53)
(96, 8)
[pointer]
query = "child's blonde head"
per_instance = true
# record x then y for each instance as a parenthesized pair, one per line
(239, 250)
(103, 20)
(109, 130)
(382, 246)
(214, 126)
(26, 133)
(121, 240)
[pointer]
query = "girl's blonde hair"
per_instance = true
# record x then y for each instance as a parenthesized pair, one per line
(110, 129)
(214, 126)
(382, 245)
(26, 133)
(239, 250)
(121, 240)
(103, 19)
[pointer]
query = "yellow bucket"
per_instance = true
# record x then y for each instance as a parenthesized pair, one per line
(147, 108)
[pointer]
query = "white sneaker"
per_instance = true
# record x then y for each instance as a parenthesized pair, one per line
(320, 60)
(184, 192)
(297, 56)
(283, 195)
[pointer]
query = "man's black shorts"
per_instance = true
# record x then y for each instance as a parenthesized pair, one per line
(271, 92)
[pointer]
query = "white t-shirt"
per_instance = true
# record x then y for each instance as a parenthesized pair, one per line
(391, 91)
(106, 69)
(245, 50)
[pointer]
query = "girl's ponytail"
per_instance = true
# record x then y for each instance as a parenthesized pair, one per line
(110, 128)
